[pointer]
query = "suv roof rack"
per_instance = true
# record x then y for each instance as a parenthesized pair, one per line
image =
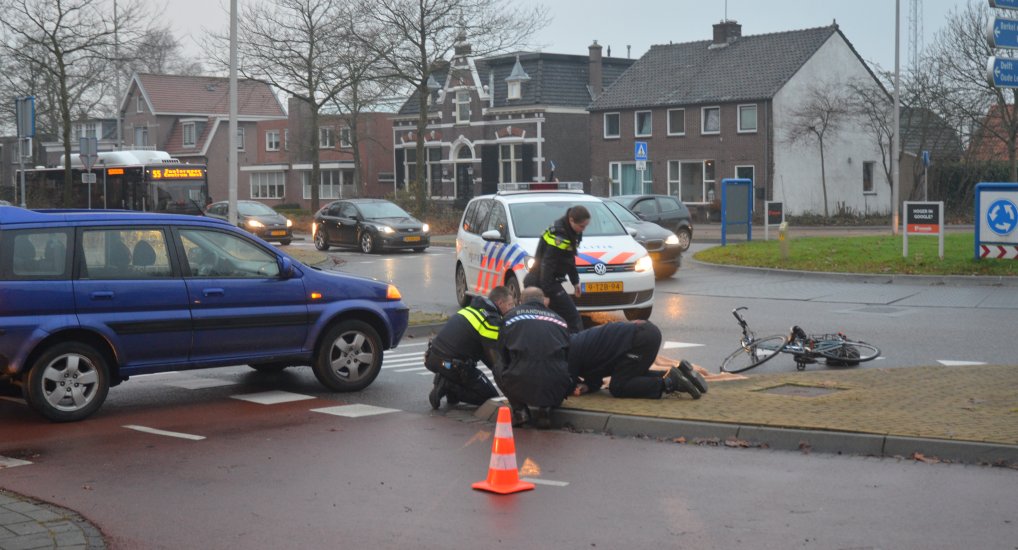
(528, 187)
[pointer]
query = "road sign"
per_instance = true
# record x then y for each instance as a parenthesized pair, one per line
(1002, 72)
(926, 159)
(1005, 4)
(1002, 33)
(24, 109)
(88, 177)
(88, 150)
(640, 150)
(641, 166)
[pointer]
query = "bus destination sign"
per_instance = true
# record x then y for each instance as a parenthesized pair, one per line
(177, 173)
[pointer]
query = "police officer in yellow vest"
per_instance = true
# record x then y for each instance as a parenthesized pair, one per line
(468, 337)
(555, 261)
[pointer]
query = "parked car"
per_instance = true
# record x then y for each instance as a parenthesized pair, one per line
(4, 203)
(257, 218)
(370, 224)
(497, 239)
(91, 298)
(664, 210)
(662, 245)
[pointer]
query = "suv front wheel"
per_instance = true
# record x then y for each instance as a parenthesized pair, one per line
(68, 382)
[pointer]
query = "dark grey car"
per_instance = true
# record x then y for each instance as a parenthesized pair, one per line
(662, 245)
(369, 224)
(257, 218)
(664, 210)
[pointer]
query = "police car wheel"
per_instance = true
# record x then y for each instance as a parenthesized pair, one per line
(461, 287)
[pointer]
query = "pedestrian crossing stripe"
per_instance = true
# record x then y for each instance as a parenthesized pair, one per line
(674, 345)
(950, 363)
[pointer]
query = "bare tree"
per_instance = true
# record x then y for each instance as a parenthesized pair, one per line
(295, 46)
(66, 47)
(819, 119)
(417, 34)
(158, 51)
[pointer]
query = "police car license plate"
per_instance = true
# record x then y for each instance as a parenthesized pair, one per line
(278, 233)
(614, 286)
(411, 239)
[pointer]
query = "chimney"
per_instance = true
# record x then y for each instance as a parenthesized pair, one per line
(726, 32)
(596, 80)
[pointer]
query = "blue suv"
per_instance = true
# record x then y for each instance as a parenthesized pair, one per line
(89, 298)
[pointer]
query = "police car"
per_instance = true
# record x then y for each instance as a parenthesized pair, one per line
(497, 239)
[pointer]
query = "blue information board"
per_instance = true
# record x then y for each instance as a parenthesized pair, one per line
(736, 207)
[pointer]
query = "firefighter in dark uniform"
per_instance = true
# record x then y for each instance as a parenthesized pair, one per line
(555, 261)
(625, 352)
(532, 370)
(468, 337)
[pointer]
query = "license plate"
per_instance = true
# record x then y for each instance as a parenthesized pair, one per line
(278, 233)
(615, 286)
(411, 239)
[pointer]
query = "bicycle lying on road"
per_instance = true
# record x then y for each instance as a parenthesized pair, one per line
(835, 349)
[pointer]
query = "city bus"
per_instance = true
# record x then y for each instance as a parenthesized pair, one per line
(149, 181)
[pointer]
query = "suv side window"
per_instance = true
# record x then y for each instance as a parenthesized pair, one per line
(220, 254)
(129, 253)
(468, 217)
(668, 204)
(36, 254)
(481, 216)
(497, 220)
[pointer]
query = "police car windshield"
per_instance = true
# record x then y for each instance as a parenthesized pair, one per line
(530, 219)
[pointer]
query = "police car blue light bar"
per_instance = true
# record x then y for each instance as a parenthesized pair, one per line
(523, 187)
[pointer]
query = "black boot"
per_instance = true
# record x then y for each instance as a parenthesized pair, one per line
(521, 415)
(674, 381)
(543, 418)
(438, 391)
(690, 373)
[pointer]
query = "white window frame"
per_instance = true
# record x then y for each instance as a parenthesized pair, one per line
(675, 179)
(335, 184)
(268, 185)
(241, 139)
(756, 112)
(189, 135)
(671, 131)
(750, 166)
(90, 130)
(272, 140)
(703, 121)
(144, 136)
(636, 123)
(462, 106)
(618, 117)
(873, 174)
(139, 106)
(326, 138)
(344, 137)
(286, 140)
(514, 90)
(615, 176)
(515, 161)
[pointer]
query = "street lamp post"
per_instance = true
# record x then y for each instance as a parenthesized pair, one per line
(896, 136)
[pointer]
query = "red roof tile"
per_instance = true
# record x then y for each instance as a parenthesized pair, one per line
(207, 95)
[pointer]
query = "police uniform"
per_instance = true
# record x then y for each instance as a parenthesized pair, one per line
(555, 261)
(468, 337)
(622, 351)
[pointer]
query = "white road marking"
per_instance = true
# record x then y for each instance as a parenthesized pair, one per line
(415, 369)
(395, 356)
(539, 481)
(402, 362)
(402, 345)
(6, 462)
(273, 397)
(950, 363)
(198, 383)
(354, 411)
(154, 431)
(673, 345)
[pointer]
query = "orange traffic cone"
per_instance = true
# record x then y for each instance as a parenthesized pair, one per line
(502, 475)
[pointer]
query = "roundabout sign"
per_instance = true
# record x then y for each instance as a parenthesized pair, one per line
(996, 216)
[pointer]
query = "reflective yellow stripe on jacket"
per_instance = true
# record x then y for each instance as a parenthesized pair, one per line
(561, 243)
(478, 320)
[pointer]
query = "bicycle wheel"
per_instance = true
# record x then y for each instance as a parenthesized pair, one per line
(848, 353)
(754, 354)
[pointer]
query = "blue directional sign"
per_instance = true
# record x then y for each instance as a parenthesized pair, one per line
(1002, 72)
(640, 150)
(1006, 4)
(1002, 33)
(926, 159)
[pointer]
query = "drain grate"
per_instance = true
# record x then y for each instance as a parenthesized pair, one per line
(800, 391)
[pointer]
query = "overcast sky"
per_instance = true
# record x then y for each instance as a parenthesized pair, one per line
(575, 24)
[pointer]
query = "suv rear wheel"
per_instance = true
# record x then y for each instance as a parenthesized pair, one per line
(349, 356)
(68, 382)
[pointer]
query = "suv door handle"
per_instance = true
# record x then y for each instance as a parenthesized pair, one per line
(213, 292)
(102, 295)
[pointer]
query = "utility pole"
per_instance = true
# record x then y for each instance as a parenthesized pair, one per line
(232, 191)
(896, 138)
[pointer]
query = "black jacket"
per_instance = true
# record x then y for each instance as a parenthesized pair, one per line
(555, 258)
(470, 335)
(532, 366)
(593, 353)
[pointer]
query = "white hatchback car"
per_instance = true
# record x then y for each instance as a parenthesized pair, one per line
(497, 239)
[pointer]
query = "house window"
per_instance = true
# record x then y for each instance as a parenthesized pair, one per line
(268, 185)
(90, 130)
(139, 104)
(510, 163)
(272, 140)
(326, 138)
(611, 125)
(330, 188)
(286, 140)
(241, 139)
(690, 180)
(433, 170)
(710, 120)
(676, 122)
(141, 136)
(627, 180)
(344, 137)
(462, 107)
(643, 124)
(745, 173)
(515, 89)
(867, 176)
(747, 118)
(189, 137)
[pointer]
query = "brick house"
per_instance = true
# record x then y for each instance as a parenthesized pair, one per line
(188, 117)
(723, 108)
(506, 118)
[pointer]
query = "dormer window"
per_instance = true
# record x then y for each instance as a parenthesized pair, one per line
(515, 81)
(189, 134)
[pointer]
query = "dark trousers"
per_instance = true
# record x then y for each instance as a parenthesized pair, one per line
(631, 376)
(562, 303)
(463, 380)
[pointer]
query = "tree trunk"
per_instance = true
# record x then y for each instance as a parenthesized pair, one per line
(316, 167)
(65, 133)
(419, 186)
(823, 177)
(352, 122)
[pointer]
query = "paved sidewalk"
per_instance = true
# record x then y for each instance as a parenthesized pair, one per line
(26, 523)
